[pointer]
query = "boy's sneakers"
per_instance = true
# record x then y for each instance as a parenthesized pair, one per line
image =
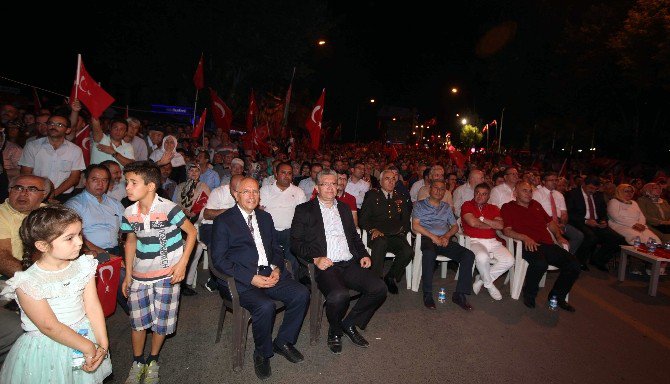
(137, 371)
(151, 375)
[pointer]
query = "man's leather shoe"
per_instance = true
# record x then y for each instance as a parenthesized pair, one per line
(335, 343)
(262, 367)
(289, 352)
(428, 300)
(461, 301)
(356, 337)
(600, 266)
(529, 301)
(564, 305)
(584, 267)
(390, 283)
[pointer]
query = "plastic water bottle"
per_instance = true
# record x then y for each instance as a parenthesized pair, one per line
(553, 303)
(667, 245)
(637, 242)
(442, 296)
(651, 245)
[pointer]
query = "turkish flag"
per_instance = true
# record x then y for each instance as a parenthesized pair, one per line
(200, 203)
(252, 112)
(457, 157)
(197, 130)
(223, 116)
(257, 139)
(90, 93)
(199, 76)
(313, 123)
(83, 141)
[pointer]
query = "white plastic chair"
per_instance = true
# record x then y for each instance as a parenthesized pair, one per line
(389, 255)
(417, 264)
(200, 250)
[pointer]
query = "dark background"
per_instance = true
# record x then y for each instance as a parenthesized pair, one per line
(569, 74)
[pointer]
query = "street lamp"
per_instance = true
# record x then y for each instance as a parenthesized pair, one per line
(454, 90)
(464, 121)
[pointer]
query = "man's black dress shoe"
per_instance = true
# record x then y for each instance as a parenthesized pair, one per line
(564, 305)
(529, 301)
(390, 283)
(600, 266)
(461, 301)
(428, 300)
(262, 367)
(356, 337)
(335, 343)
(289, 352)
(584, 268)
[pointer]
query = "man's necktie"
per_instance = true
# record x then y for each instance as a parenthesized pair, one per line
(592, 212)
(554, 211)
(251, 226)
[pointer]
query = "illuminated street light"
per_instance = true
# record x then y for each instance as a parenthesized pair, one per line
(372, 101)
(458, 115)
(454, 90)
(322, 42)
(464, 121)
(393, 119)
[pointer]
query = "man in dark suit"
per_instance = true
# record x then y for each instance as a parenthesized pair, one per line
(323, 233)
(385, 214)
(587, 211)
(245, 246)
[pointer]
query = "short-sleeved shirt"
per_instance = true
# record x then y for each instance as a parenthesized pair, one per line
(488, 211)
(159, 241)
(10, 221)
(437, 220)
(358, 190)
(531, 221)
(101, 220)
(501, 194)
(211, 178)
(125, 149)
(281, 204)
(54, 164)
(219, 198)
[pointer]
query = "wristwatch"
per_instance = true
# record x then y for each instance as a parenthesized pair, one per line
(481, 218)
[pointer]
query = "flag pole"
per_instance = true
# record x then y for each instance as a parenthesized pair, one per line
(76, 81)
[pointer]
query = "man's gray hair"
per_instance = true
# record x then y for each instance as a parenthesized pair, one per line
(133, 120)
(433, 169)
(381, 175)
(325, 172)
(45, 182)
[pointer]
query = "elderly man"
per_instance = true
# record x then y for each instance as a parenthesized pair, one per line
(503, 193)
(434, 220)
(323, 233)
(385, 214)
(117, 187)
(139, 145)
(245, 246)
(236, 168)
(480, 221)
(526, 220)
(436, 173)
(307, 184)
(466, 192)
(55, 158)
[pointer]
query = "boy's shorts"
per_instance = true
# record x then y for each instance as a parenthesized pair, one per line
(154, 305)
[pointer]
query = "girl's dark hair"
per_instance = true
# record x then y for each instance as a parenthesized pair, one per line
(44, 224)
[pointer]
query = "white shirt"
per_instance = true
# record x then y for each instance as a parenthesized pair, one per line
(281, 204)
(337, 248)
(258, 240)
(118, 192)
(125, 149)
(269, 180)
(357, 190)
(307, 185)
(414, 191)
(219, 198)
(139, 148)
(586, 201)
(501, 194)
(54, 164)
(541, 195)
(462, 194)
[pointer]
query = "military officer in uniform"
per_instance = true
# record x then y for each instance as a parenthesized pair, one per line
(385, 214)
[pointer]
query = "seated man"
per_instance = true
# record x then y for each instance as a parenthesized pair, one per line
(434, 220)
(385, 215)
(480, 222)
(526, 220)
(323, 233)
(245, 246)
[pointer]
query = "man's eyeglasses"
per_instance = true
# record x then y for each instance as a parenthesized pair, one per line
(54, 124)
(327, 184)
(247, 192)
(21, 188)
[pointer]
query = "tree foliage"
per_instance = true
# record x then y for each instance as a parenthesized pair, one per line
(470, 136)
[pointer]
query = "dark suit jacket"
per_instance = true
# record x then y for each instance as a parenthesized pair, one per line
(390, 217)
(574, 201)
(308, 235)
(234, 251)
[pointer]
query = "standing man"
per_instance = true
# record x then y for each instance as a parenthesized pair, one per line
(357, 186)
(587, 211)
(434, 220)
(55, 158)
(526, 220)
(279, 199)
(323, 233)
(466, 192)
(245, 246)
(503, 193)
(480, 221)
(112, 146)
(553, 203)
(385, 214)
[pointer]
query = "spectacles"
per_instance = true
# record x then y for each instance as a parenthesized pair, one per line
(54, 124)
(327, 184)
(250, 192)
(21, 188)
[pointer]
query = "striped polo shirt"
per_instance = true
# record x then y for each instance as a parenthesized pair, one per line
(159, 241)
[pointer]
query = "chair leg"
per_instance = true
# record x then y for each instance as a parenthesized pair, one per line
(408, 275)
(443, 270)
(314, 317)
(205, 262)
(238, 339)
(517, 281)
(544, 279)
(222, 317)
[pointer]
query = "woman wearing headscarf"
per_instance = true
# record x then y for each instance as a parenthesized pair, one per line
(656, 210)
(625, 216)
(192, 194)
(168, 154)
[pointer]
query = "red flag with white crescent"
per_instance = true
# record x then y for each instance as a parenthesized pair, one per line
(223, 116)
(197, 130)
(313, 122)
(83, 141)
(90, 93)
(199, 75)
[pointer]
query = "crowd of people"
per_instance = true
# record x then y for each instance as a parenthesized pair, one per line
(73, 184)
